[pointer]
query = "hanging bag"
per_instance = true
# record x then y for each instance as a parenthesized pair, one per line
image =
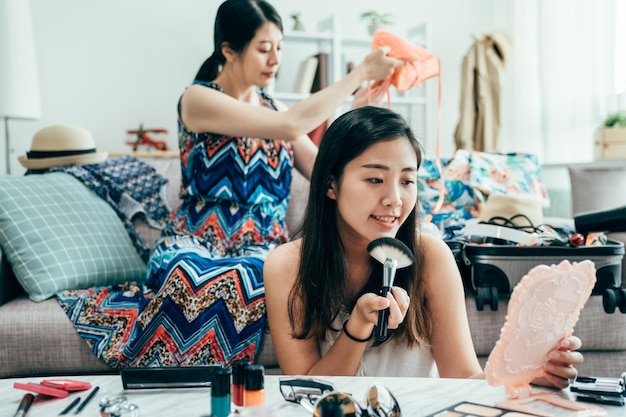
(420, 66)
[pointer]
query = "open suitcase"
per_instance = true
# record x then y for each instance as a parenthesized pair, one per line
(492, 271)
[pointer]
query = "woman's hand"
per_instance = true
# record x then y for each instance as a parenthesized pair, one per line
(377, 65)
(365, 313)
(398, 305)
(560, 370)
(363, 97)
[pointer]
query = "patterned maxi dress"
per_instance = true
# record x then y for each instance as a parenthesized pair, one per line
(203, 301)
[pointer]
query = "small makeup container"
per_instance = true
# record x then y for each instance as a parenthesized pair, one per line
(238, 381)
(254, 393)
(330, 409)
(220, 393)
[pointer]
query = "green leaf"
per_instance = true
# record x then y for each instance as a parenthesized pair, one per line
(617, 119)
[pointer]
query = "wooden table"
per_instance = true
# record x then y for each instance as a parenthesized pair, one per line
(416, 396)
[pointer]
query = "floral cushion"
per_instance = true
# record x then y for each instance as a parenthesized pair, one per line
(510, 173)
(458, 202)
(469, 178)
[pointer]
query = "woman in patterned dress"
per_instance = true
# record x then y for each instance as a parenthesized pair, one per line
(204, 299)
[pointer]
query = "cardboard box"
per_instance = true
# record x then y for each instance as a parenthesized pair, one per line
(610, 143)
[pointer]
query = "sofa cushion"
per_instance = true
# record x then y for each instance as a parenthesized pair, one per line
(458, 195)
(57, 234)
(507, 173)
(40, 340)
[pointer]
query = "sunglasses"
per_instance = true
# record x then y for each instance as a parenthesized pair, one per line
(322, 400)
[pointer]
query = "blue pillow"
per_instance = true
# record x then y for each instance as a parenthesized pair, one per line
(57, 235)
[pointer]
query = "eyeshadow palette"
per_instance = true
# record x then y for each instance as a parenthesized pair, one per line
(465, 408)
(469, 409)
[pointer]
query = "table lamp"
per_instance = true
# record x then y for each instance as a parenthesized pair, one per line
(19, 86)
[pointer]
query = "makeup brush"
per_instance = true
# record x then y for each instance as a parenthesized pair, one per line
(393, 254)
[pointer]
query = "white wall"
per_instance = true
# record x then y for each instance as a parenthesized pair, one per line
(108, 65)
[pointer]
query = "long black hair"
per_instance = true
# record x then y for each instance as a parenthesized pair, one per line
(236, 24)
(320, 287)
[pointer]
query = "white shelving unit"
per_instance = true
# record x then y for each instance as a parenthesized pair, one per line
(416, 104)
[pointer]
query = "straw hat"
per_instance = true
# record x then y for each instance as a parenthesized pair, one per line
(62, 145)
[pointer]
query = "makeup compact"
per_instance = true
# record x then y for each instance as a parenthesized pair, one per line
(470, 409)
(542, 311)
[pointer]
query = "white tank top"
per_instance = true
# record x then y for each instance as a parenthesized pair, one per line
(389, 359)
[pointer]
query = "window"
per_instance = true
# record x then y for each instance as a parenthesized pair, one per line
(620, 48)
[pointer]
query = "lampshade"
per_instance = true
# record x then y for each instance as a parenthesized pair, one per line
(19, 85)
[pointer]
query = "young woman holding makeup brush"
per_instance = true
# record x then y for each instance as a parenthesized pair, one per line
(321, 289)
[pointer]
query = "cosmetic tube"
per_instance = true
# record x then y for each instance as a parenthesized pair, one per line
(254, 393)
(220, 393)
(239, 381)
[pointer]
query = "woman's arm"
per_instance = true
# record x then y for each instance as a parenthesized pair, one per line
(207, 110)
(279, 274)
(451, 340)
(304, 150)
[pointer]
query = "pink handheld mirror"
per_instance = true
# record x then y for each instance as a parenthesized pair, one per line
(543, 309)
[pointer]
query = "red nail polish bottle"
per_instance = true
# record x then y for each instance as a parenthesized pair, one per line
(238, 381)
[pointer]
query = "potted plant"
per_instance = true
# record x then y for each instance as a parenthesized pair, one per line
(610, 140)
(615, 119)
(297, 23)
(376, 20)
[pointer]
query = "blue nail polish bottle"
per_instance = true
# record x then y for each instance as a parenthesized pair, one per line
(220, 393)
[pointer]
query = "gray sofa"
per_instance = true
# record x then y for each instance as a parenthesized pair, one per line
(38, 339)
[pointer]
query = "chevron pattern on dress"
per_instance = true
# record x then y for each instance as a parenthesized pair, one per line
(104, 317)
(253, 176)
(207, 312)
(216, 225)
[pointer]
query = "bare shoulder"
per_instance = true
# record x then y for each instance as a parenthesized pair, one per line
(199, 91)
(434, 246)
(439, 262)
(287, 250)
(282, 262)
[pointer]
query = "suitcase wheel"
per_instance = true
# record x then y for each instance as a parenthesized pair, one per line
(487, 295)
(613, 298)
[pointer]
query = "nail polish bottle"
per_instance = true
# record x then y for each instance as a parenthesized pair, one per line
(239, 381)
(220, 393)
(254, 393)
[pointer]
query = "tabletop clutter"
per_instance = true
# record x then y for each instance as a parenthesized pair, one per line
(241, 386)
